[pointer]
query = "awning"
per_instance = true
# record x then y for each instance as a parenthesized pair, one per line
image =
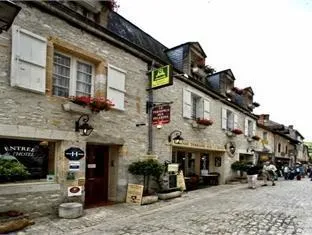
(199, 146)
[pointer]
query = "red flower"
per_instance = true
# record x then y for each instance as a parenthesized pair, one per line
(204, 121)
(237, 131)
(96, 104)
(81, 100)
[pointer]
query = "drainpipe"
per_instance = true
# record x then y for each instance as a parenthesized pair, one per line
(149, 104)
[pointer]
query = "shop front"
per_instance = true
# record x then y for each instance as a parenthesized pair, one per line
(200, 163)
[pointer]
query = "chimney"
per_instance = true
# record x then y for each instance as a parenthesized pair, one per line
(263, 118)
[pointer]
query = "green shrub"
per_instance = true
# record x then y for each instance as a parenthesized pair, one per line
(12, 170)
(149, 168)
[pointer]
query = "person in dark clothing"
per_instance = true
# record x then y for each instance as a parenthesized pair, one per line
(252, 175)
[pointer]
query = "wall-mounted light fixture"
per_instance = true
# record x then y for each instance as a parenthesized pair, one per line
(175, 136)
(8, 12)
(82, 125)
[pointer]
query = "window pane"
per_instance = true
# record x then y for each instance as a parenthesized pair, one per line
(61, 75)
(84, 79)
(22, 160)
(230, 120)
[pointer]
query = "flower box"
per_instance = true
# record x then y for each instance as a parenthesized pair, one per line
(204, 121)
(95, 104)
(237, 131)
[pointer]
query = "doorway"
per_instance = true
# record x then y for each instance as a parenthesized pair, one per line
(96, 186)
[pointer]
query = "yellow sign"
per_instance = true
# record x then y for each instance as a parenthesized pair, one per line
(134, 193)
(204, 146)
(161, 77)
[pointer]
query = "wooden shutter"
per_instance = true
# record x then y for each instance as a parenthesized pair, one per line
(187, 103)
(206, 109)
(246, 126)
(116, 87)
(235, 121)
(224, 119)
(254, 126)
(28, 65)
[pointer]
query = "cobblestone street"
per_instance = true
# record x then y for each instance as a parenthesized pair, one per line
(225, 209)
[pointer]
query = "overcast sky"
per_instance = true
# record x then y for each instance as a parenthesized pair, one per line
(266, 43)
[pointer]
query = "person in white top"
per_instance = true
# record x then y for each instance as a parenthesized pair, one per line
(269, 172)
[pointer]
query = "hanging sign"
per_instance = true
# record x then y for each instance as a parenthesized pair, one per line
(74, 154)
(161, 77)
(161, 114)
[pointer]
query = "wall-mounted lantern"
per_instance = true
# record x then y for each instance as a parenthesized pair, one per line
(8, 12)
(82, 125)
(175, 136)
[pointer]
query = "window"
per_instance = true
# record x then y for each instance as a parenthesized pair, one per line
(186, 161)
(195, 106)
(265, 136)
(279, 147)
(25, 160)
(286, 149)
(116, 87)
(71, 76)
(229, 119)
(250, 127)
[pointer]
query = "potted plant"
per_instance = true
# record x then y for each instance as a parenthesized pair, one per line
(12, 170)
(147, 169)
(240, 166)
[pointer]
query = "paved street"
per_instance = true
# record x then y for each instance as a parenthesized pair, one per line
(226, 209)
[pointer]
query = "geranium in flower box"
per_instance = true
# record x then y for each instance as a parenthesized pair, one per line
(99, 104)
(255, 137)
(204, 121)
(81, 100)
(237, 131)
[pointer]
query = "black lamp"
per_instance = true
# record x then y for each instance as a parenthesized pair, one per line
(8, 12)
(175, 136)
(82, 125)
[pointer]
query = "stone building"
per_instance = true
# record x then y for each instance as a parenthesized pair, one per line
(58, 51)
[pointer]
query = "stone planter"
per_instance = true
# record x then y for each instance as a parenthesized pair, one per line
(166, 196)
(70, 210)
(149, 199)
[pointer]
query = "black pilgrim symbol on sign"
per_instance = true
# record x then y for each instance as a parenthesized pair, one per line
(74, 154)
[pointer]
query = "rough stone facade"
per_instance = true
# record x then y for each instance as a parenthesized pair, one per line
(29, 115)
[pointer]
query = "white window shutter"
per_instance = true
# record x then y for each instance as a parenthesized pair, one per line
(224, 119)
(206, 109)
(246, 126)
(254, 126)
(28, 65)
(187, 103)
(116, 87)
(235, 121)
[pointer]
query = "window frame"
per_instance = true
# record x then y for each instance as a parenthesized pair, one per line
(72, 90)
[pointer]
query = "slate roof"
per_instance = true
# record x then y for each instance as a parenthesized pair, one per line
(134, 35)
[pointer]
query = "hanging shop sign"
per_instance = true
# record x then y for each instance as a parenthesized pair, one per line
(161, 114)
(74, 154)
(161, 77)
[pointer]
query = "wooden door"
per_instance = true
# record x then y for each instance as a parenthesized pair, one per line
(96, 187)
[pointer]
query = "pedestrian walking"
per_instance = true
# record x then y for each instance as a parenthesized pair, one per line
(252, 175)
(269, 173)
(286, 172)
